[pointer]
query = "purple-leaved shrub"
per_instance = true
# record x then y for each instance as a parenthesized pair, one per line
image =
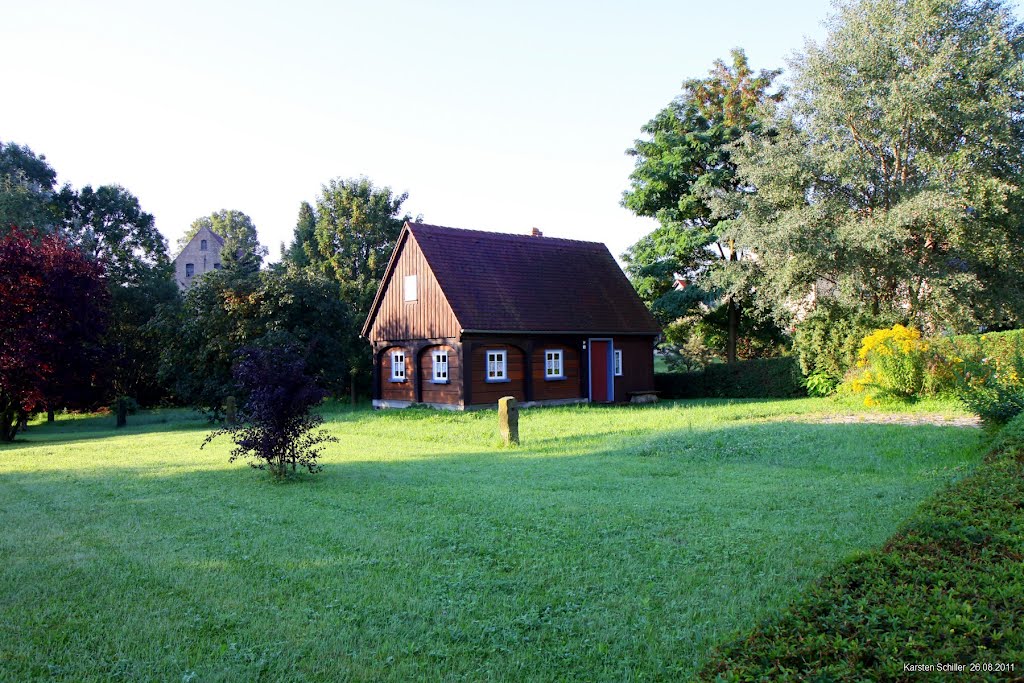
(275, 429)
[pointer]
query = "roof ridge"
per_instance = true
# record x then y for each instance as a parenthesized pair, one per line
(513, 235)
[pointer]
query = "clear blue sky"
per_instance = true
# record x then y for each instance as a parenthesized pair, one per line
(503, 117)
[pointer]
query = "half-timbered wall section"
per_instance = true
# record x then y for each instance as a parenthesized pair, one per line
(427, 316)
(547, 387)
(485, 389)
(392, 389)
(440, 389)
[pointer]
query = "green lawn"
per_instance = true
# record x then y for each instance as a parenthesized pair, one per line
(614, 544)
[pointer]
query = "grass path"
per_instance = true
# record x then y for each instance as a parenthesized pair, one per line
(615, 544)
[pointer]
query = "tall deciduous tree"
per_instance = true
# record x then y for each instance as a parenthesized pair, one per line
(108, 224)
(53, 314)
(896, 172)
(26, 188)
(356, 229)
(682, 163)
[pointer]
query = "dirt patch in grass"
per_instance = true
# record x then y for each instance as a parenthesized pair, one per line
(905, 419)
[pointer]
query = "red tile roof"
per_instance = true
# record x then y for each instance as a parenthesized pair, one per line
(521, 283)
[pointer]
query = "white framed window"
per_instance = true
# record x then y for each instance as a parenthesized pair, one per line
(618, 362)
(398, 366)
(497, 366)
(440, 367)
(553, 368)
(410, 287)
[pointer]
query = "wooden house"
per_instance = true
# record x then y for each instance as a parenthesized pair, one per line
(464, 317)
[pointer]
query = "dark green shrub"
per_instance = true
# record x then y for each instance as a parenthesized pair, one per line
(990, 387)
(999, 347)
(759, 378)
(820, 384)
(1011, 436)
(826, 342)
(131, 405)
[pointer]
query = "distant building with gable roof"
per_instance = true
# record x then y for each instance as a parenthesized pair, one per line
(200, 255)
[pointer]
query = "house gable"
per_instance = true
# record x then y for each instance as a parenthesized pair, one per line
(497, 282)
(193, 260)
(427, 316)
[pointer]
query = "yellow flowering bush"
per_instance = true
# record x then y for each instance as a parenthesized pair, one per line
(892, 363)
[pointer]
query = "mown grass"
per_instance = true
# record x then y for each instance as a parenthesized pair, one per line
(614, 544)
(944, 598)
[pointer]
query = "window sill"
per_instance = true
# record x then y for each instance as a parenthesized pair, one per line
(439, 381)
(555, 379)
(397, 381)
(497, 381)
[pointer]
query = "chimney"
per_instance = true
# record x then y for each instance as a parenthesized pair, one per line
(537, 233)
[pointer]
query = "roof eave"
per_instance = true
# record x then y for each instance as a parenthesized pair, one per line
(591, 333)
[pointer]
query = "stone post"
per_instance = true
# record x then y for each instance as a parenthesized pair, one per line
(122, 411)
(230, 410)
(508, 420)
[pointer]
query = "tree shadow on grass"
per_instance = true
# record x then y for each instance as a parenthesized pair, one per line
(85, 428)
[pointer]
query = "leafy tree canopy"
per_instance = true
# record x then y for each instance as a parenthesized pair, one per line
(356, 229)
(226, 311)
(26, 188)
(304, 246)
(53, 315)
(109, 224)
(683, 162)
(895, 175)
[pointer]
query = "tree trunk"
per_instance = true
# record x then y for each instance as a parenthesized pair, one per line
(734, 331)
(23, 420)
(122, 412)
(8, 425)
(49, 414)
(734, 314)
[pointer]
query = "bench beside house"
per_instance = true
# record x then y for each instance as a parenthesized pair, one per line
(464, 317)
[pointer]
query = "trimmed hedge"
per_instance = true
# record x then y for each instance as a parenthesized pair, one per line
(759, 378)
(948, 588)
